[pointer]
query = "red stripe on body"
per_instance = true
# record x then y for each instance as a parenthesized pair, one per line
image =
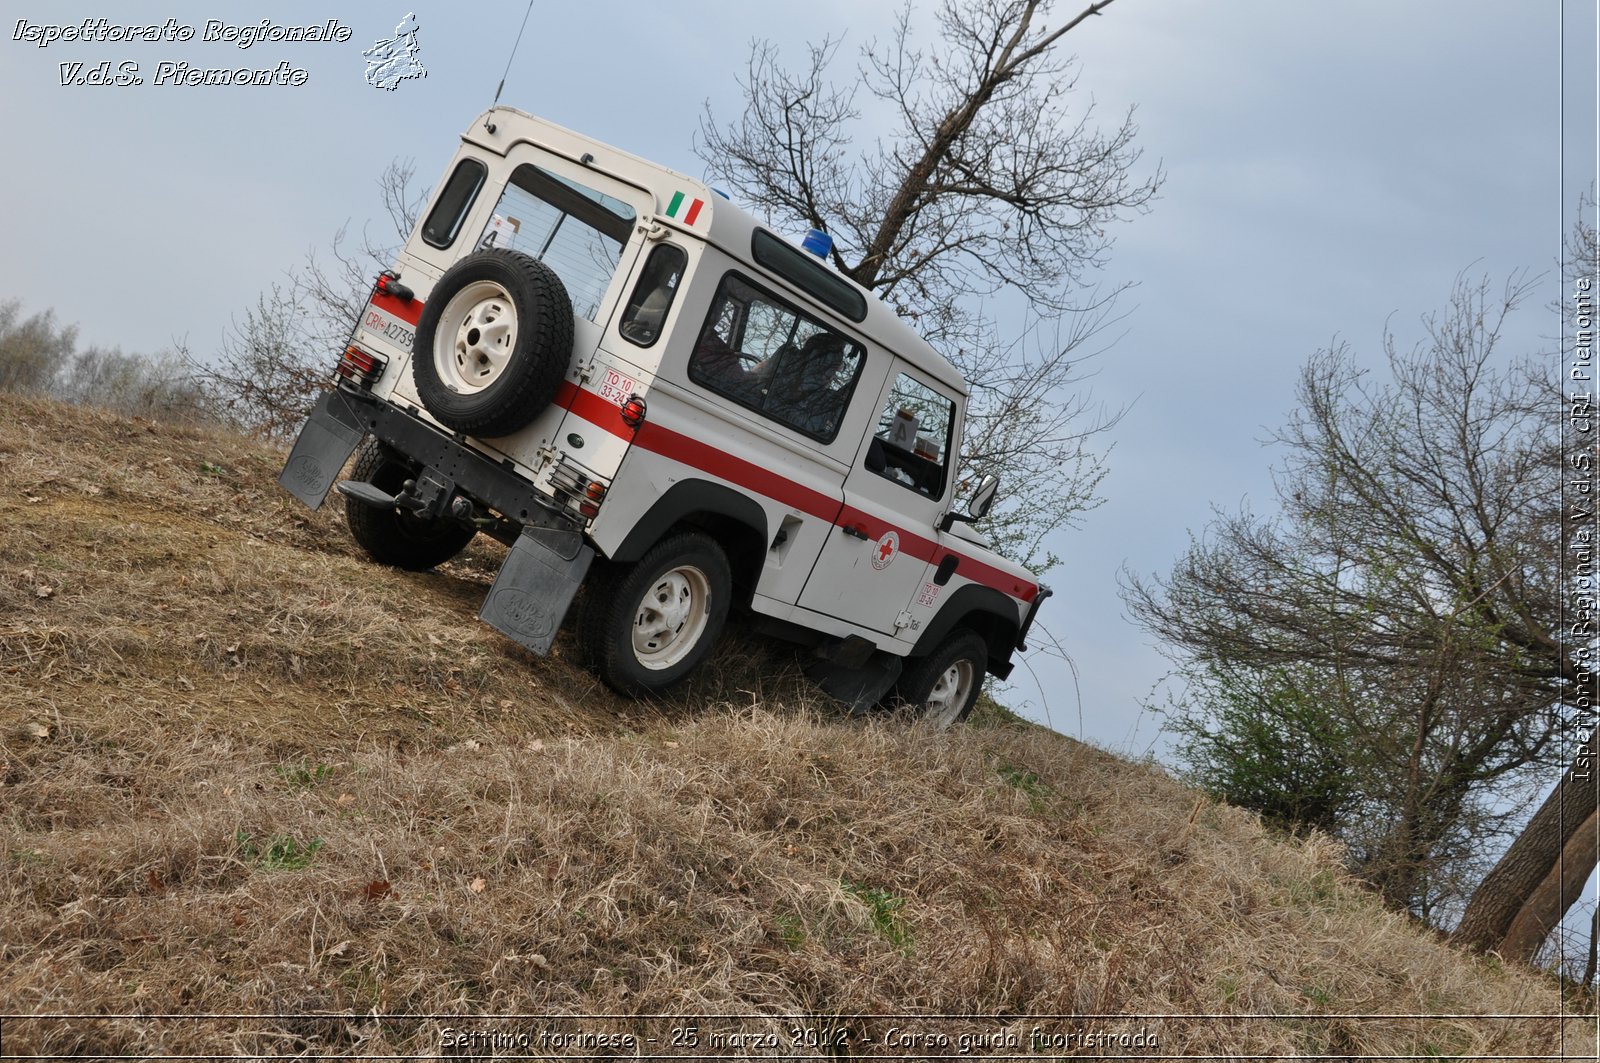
(930, 551)
(694, 212)
(703, 456)
(410, 312)
(604, 415)
(692, 452)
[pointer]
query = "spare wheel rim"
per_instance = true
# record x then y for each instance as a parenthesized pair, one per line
(475, 339)
(671, 617)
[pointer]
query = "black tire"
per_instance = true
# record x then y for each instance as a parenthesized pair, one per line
(688, 578)
(392, 537)
(942, 687)
(493, 343)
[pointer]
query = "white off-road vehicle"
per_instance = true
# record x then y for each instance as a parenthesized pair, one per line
(641, 389)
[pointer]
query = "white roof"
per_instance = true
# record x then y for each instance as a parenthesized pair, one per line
(718, 220)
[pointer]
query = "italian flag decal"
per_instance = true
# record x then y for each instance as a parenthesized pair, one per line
(684, 209)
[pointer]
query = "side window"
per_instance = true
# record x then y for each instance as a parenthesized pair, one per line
(912, 443)
(444, 220)
(652, 297)
(576, 231)
(761, 352)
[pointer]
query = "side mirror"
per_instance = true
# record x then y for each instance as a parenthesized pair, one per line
(978, 508)
(983, 497)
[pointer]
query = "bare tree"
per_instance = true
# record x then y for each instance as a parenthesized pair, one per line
(33, 351)
(1418, 555)
(40, 355)
(334, 290)
(276, 361)
(1530, 889)
(989, 181)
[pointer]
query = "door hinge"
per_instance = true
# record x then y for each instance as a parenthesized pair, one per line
(904, 620)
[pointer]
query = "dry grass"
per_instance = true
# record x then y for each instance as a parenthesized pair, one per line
(246, 771)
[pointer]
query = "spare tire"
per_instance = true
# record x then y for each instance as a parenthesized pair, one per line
(493, 343)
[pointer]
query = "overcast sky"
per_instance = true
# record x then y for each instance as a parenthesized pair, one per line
(1330, 168)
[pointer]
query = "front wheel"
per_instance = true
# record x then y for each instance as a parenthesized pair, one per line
(647, 625)
(942, 687)
(390, 536)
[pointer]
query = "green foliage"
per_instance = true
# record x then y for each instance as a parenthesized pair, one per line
(1026, 781)
(1262, 741)
(303, 776)
(1384, 657)
(282, 852)
(884, 908)
(792, 931)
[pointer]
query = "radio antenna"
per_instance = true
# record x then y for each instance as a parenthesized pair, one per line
(512, 57)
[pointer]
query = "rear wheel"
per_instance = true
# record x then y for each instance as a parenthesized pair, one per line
(942, 687)
(390, 536)
(647, 625)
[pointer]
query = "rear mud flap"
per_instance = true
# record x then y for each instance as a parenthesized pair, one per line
(534, 588)
(325, 443)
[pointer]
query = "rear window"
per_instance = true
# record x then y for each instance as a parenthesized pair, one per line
(646, 312)
(444, 220)
(573, 229)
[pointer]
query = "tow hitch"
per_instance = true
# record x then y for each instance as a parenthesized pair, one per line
(429, 496)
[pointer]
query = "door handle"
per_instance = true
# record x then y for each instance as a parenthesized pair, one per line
(854, 532)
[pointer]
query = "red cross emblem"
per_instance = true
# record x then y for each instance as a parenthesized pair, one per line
(888, 547)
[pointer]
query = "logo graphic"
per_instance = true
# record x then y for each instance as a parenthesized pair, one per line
(394, 60)
(888, 549)
(521, 613)
(306, 471)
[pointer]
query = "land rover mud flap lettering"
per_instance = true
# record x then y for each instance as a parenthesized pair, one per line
(325, 443)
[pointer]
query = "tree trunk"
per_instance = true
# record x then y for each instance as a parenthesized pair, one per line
(1532, 857)
(1554, 896)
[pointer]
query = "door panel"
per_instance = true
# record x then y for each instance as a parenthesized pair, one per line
(878, 556)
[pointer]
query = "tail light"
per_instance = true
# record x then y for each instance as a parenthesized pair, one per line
(361, 367)
(633, 411)
(579, 489)
(389, 284)
(593, 495)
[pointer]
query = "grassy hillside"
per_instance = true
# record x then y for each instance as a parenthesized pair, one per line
(246, 771)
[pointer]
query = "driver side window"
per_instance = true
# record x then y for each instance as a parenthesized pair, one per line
(912, 442)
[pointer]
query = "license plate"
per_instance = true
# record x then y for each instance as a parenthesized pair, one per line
(388, 327)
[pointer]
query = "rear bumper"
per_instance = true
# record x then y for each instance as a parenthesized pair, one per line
(345, 415)
(547, 562)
